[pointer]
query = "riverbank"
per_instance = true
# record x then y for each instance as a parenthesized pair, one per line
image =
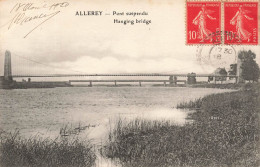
(16, 151)
(224, 132)
(130, 143)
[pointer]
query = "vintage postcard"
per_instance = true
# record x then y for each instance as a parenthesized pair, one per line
(133, 83)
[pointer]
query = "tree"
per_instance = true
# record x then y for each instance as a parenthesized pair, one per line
(250, 69)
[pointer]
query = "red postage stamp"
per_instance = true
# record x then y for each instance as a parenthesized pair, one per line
(241, 23)
(203, 22)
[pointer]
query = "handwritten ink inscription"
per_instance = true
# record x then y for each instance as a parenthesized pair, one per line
(23, 13)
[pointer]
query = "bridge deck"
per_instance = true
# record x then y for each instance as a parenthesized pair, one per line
(123, 80)
(126, 75)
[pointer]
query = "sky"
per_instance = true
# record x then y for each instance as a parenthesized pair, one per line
(67, 43)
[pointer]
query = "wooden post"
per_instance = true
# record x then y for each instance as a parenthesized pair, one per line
(164, 83)
(115, 83)
(140, 84)
(90, 84)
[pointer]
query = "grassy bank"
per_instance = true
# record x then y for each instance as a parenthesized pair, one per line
(16, 151)
(225, 132)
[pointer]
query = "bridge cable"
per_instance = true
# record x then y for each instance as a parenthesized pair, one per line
(37, 62)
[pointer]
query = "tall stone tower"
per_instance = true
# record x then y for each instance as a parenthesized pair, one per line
(8, 67)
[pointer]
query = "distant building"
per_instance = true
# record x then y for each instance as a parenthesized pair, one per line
(220, 72)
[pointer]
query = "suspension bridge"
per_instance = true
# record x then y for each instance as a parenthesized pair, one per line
(7, 81)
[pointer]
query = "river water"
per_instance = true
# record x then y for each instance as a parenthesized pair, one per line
(45, 111)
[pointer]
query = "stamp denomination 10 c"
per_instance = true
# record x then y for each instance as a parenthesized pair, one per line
(204, 22)
(203, 19)
(241, 22)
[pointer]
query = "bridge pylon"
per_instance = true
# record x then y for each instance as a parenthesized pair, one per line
(6, 81)
(239, 78)
(8, 67)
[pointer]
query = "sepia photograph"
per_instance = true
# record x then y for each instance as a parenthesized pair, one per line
(129, 83)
